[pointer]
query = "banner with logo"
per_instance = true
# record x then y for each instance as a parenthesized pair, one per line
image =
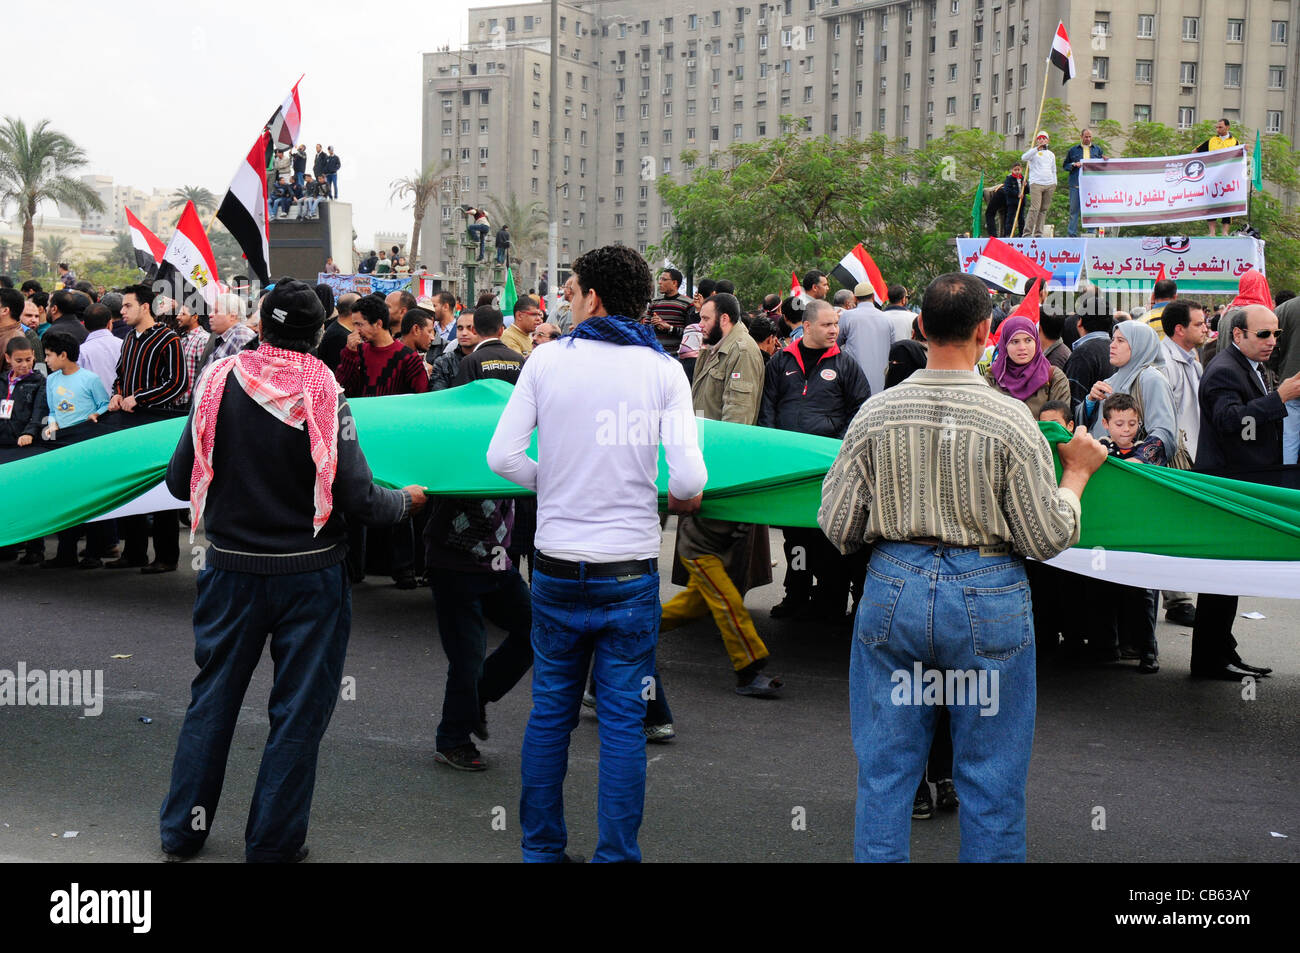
(1063, 257)
(1206, 265)
(364, 284)
(1164, 189)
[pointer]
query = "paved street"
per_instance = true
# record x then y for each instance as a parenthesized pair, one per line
(1185, 770)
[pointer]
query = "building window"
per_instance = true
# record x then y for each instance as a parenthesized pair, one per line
(446, 127)
(1186, 117)
(1277, 77)
(619, 115)
(1187, 74)
(807, 94)
(975, 102)
(645, 110)
(1191, 28)
(446, 155)
(482, 127)
(1146, 26)
(1101, 23)
(1236, 31)
(952, 39)
(537, 128)
(931, 44)
(484, 97)
(952, 106)
(692, 22)
(907, 80)
(1011, 36)
(1142, 113)
(1278, 32)
(464, 127)
(1024, 75)
(1232, 75)
(880, 120)
(738, 131)
(952, 72)
(1142, 72)
(1097, 113)
(534, 185)
(1100, 68)
(618, 194)
(1273, 122)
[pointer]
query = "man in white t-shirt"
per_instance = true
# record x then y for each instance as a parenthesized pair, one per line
(1041, 176)
(602, 400)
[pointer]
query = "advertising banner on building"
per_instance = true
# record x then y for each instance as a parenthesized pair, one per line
(1063, 257)
(1163, 189)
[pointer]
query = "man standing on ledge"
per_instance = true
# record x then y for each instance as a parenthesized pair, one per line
(946, 590)
(271, 493)
(595, 577)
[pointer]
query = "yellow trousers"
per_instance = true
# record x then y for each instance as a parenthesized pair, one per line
(712, 591)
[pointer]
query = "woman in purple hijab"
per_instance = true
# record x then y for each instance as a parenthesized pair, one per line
(1021, 371)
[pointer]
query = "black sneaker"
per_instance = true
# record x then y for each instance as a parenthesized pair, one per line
(405, 580)
(946, 795)
(1182, 614)
(789, 607)
(463, 758)
(922, 806)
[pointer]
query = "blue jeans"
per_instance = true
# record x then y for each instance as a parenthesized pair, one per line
(481, 231)
(1291, 432)
(944, 609)
(617, 622)
(1072, 229)
(333, 179)
(308, 616)
(461, 600)
(280, 205)
(309, 207)
(501, 256)
(299, 180)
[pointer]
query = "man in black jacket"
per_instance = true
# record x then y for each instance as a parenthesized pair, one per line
(503, 244)
(1089, 360)
(272, 492)
(1241, 434)
(65, 314)
(813, 387)
(447, 364)
(300, 166)
(332, 164)
(320, 163)
(490, 357)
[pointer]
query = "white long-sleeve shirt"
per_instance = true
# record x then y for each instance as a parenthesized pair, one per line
(601, 412)
(1042, 166)
(1184, 373)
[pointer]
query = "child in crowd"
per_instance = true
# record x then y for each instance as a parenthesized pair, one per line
(1120, 414)
(689, 350)
(22, 395)
(1053, 591)
(75, 395)
(1126, 613)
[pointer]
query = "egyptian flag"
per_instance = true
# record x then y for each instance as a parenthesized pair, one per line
(188, 266)
(148, 247)
(285, 122)
(243, 211)
(797, 293)
(1001, 266)
(857, 267)
(1062, 56)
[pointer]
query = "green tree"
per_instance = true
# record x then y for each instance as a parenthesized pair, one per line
(527, 221)
(203, 199)
(53, 248)
(6, 250)
(421, 187)
(35, 167)
(123, 253)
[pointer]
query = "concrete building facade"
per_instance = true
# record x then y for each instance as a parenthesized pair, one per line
(642, 82)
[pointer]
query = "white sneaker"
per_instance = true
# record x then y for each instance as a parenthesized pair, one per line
(588, 700)
(658, 734)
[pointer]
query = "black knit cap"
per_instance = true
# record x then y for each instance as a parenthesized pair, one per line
(293, 309)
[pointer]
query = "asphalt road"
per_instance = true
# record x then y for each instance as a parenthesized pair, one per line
(1186, 771)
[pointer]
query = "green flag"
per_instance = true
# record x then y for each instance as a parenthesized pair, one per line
(1257, 179)
(509, 296)
(976, 207)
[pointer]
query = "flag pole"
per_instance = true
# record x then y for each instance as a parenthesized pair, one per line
(1042, 101)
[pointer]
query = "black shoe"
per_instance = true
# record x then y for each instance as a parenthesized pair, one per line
(462, 758)
(1255, 669)
(179, 856)
(1182, 614)
(155, 568)
(1148, 666)
(1229, 673)
(54, 563)
(36, 559)
(922, 806)
(405, 580)
(946, 795)
(1128, 654)
(789, 607)
(90, 562)
(123, 562)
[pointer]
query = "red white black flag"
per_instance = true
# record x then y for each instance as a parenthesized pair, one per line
(858, 267)
(243, 209)
(286, 121)
(148, 247)
(188, 266)
(1062, 56)
(1001, 266)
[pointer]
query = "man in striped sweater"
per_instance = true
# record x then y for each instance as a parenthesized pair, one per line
(150, 376)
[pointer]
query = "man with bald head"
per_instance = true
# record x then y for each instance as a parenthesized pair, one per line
(1241, 438)
(399, 302)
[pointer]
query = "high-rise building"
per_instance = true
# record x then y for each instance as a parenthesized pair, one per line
(642, 82)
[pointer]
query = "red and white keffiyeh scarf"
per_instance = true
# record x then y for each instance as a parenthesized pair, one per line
(295, 388)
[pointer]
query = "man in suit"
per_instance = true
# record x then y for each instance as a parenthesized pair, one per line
(1241, 432)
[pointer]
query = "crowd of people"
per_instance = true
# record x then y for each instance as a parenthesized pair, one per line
(1142, 384)
(290, 186)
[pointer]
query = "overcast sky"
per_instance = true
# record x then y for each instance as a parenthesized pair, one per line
(164, 94)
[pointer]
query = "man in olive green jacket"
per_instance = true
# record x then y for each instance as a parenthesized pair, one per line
(722, 558)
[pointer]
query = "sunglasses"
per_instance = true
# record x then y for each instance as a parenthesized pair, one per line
(1262, 335)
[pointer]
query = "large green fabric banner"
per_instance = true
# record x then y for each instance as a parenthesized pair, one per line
(1221, 531)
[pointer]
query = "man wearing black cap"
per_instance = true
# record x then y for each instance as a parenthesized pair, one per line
(271, 492)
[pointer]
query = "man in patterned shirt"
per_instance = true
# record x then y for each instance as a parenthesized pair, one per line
(954, 484)
(194, 341)
(229, 334)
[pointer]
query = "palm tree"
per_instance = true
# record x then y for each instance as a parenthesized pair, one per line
(422, 187)
(528, 225)
(34, 168)
(53, 248)
(123, 253)
(6, 250)
(203, 199)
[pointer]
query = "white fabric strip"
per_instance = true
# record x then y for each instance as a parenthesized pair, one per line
(1229, 577)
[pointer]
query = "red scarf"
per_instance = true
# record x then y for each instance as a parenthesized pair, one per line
(297, 389)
